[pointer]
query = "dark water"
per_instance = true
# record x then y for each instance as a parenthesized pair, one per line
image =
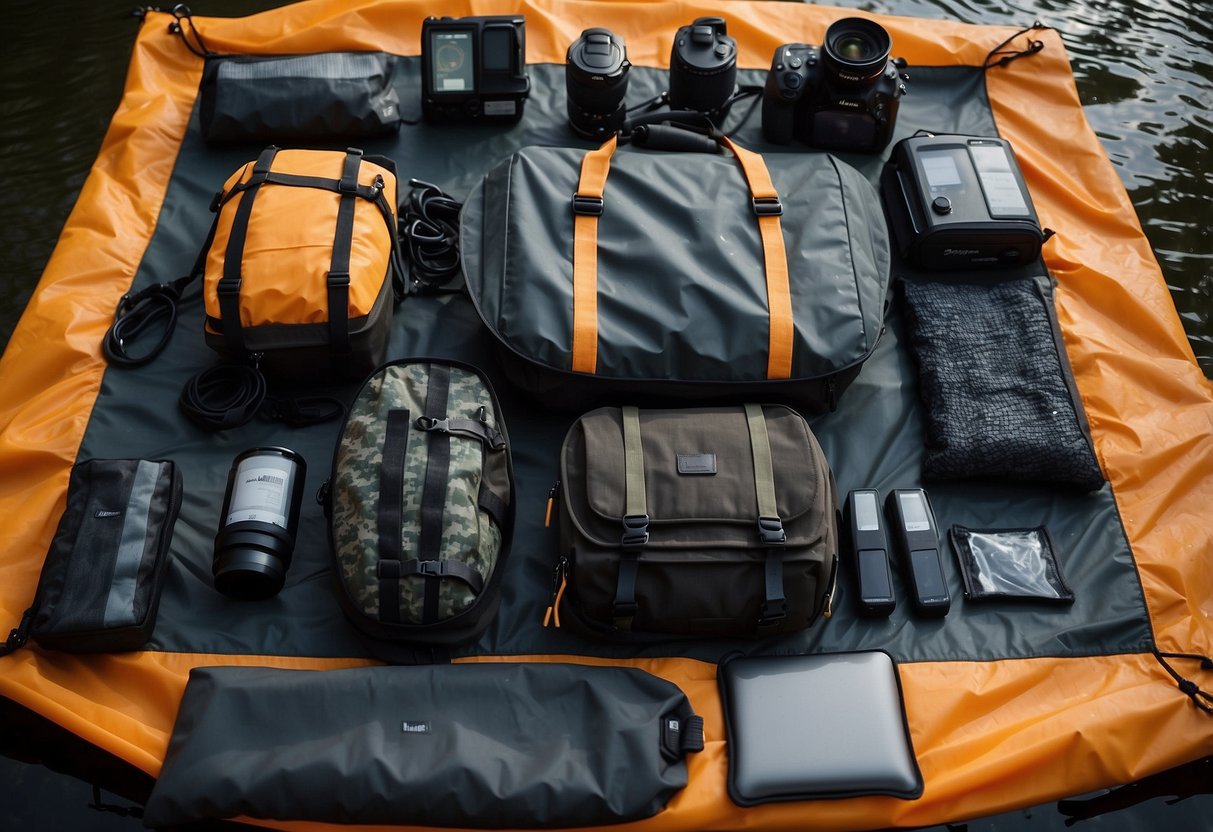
(1145, 76)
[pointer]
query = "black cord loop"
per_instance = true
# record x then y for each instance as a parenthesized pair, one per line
(138, 312)
(223, 396)
(1000, 56)
(1189, 688)
(429, 233)
(198, 46)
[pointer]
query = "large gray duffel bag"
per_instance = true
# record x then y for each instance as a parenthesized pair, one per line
(678, 274)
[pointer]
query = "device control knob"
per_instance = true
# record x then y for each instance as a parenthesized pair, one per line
(941, 205)
(795, 63)
(791, 81)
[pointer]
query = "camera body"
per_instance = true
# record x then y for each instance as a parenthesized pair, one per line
(473, 68)
(703, 68)
(843, 95)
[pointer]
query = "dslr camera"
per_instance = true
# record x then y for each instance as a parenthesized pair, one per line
(473, 68)
(842, 95)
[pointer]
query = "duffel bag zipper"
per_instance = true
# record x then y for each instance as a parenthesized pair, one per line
(559, 581)
(552, 498)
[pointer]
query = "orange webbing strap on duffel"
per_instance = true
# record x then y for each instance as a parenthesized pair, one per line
(588, 207)
(779, 294)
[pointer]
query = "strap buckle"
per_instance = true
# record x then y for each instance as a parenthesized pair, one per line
(772, 612)
(770, 531)
(588, 205)
(427, 423)
(431, 568)
(767, 206)
(635, 531)
(337, 279)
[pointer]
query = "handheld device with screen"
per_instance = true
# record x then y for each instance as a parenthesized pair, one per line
(913, 527)
(870, 549)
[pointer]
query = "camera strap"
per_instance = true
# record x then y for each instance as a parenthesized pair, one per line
(588, 206)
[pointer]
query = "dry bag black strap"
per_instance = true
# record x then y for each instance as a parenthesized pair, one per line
(338, 278)
(388, 516)
(433, 492)
(228, 287)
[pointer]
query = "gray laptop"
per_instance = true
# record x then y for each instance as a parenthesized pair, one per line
(803, 727)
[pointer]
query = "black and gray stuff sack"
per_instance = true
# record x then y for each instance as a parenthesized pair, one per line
(420, 504)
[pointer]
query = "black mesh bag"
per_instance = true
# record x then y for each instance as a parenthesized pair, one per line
(996, 386)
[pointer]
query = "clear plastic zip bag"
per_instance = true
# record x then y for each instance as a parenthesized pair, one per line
(1009, 564)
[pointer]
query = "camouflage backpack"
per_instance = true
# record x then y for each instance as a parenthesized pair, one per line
(419, 503)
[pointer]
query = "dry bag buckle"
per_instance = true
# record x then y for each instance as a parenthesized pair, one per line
(767, 206)
(588, 205)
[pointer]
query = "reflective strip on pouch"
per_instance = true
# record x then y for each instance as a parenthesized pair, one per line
(120, 605)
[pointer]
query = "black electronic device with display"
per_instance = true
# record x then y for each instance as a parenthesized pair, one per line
(960, 202)
(870, 549)
(912, 525)
(473, 68)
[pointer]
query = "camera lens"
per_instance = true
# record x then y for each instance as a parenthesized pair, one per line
(596, 81)
(260, 517)
(856, 50)
(703, 68)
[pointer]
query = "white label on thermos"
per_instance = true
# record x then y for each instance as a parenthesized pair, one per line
(259, 494)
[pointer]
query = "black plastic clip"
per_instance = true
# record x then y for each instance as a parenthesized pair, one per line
(428, 423)
(336, 279)
(767, 206)
(590, 206)
(635, 531)
(770, 531)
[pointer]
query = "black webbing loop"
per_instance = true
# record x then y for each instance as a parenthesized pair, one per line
(338, 278)
(181, 12)
(389, 512)
(114, 808)
(302, 411)
(681, 736)
(228, 287)
(1000, 56)
(1187, 686)
(223, 396)
(388, 572)
(19, 635)
(433, 491)
(429, 233)
(443, 569)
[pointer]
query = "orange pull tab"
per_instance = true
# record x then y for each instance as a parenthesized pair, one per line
(559, 581)
(547, 517)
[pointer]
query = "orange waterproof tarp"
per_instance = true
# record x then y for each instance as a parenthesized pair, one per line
(990, 736)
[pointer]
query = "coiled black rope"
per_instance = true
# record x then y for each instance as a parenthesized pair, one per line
(429, 233)
(138, 312)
